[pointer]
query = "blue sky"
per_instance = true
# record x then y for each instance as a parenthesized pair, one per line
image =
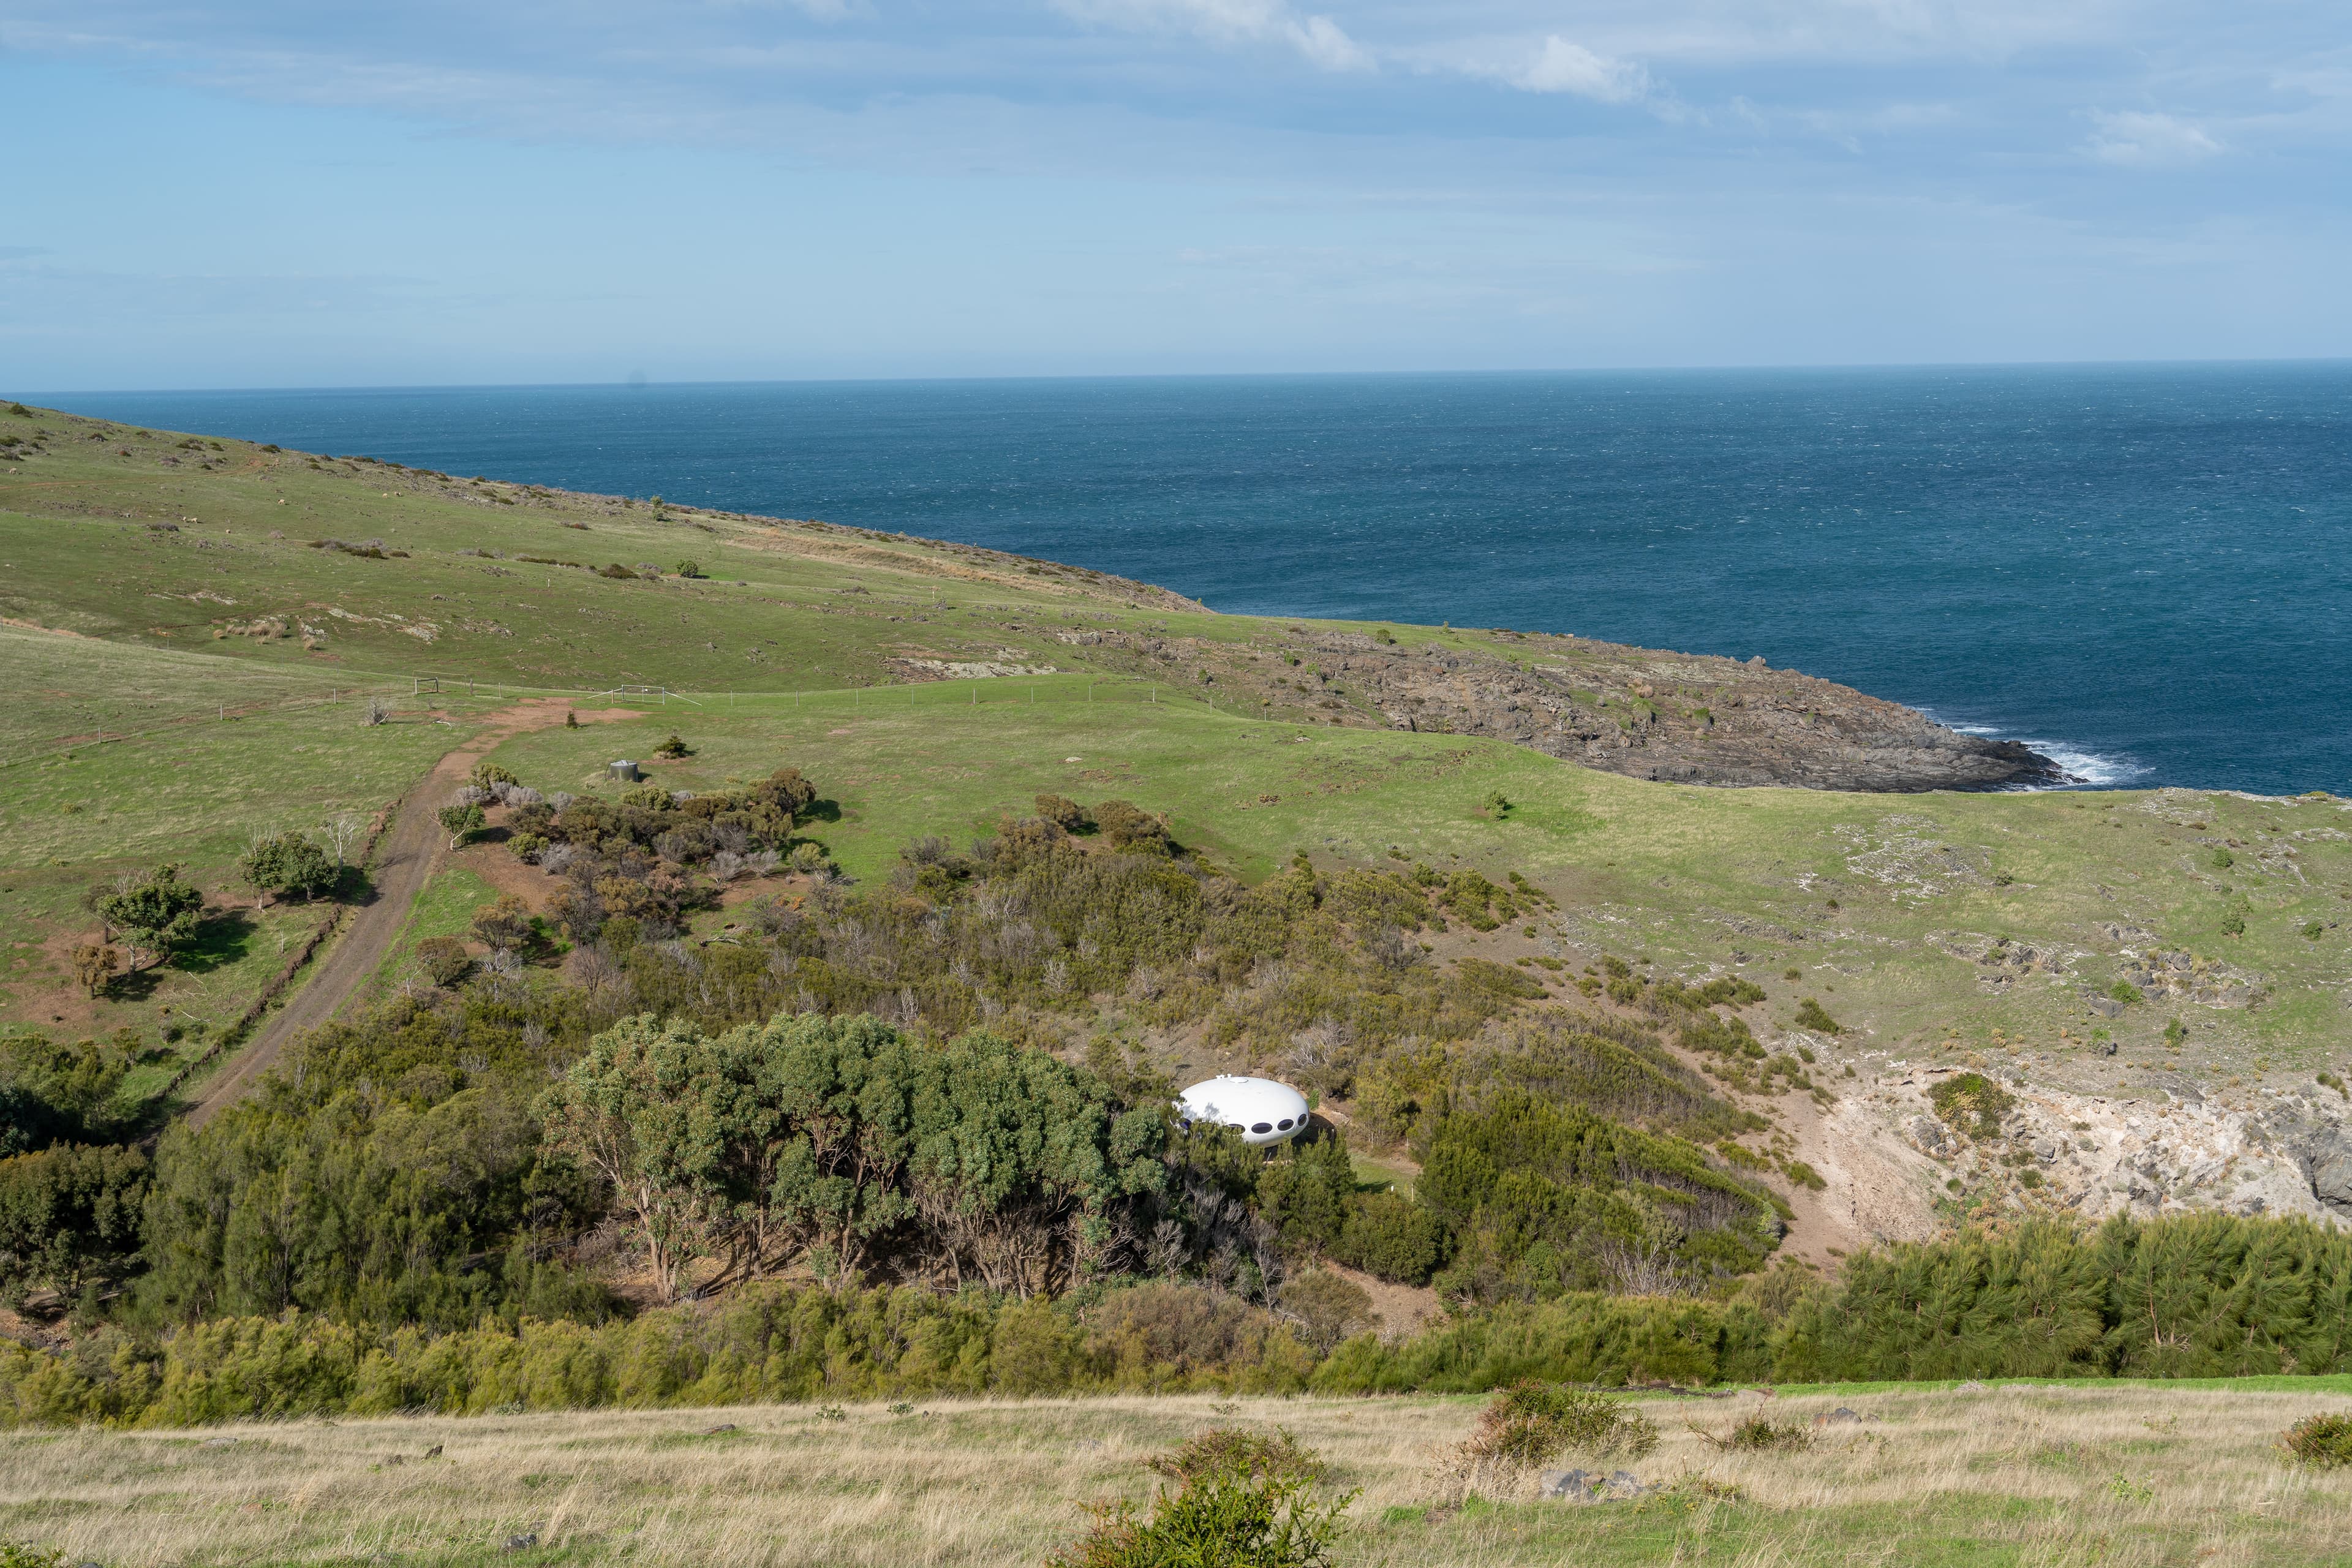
(291, 194)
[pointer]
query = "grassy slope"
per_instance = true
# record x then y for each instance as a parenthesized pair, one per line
(1689, 876)
(2056, 1474)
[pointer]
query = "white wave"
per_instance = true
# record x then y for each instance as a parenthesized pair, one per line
(2089, 770)
(2084, 769)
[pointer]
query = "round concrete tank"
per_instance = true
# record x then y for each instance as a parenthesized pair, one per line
(627, 772)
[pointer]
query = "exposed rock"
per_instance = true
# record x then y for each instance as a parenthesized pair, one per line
(1590, 1486)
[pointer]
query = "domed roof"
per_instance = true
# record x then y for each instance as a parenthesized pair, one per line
(1265, 1111)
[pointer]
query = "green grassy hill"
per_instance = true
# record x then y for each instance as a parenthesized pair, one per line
(219, 612)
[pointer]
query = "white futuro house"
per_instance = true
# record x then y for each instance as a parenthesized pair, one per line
(1263, 1110)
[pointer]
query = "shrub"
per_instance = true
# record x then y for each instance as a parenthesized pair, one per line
(461, 822)
(674, 747)
(1328, 1307)
(15, 1553)
(1231, 1451)
(1221, 1520)
(2124, 991)
(2323, 1442)
(1130, 827)
(615, 570)
(1063, 812)
(156, 917)
(1804, 1176)
(1972, 1104)
(68, 1215)
(1762, 1435)
(1389, 1236)
(289, 863)
(444, 960)
(504, 924)
(689, 569)
(1531, 1422)
(93, 966)
(1812, 1016)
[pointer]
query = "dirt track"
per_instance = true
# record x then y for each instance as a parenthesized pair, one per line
(411, 850)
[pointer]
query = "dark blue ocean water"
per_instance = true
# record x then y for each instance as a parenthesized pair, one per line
(2144, 570)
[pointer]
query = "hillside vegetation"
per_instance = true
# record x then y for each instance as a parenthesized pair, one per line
(828, 1057)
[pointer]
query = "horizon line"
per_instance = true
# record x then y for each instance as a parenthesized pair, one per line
(642, 383)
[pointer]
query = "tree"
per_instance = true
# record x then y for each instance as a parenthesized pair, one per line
(289, 863)
(342, 830)
(647, 1109)
(94, 966)
(461, 822)
(156, 917)
(444, 960)
(504, 925)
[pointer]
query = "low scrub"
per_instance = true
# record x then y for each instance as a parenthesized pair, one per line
(1532, 1422)
(1222, 1520)
(2323, 1442)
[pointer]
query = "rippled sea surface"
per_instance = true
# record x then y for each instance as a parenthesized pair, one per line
(2143, 569)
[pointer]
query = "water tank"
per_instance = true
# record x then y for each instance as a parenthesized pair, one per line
(1263, 1110)
(627, 772)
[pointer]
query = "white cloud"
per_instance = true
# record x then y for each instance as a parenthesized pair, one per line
(1562, 66)
(2142, 140)
(1318, 40)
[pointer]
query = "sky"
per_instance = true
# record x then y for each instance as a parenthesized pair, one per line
(289, 194)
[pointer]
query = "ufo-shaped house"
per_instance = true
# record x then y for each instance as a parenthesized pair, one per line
(1261, 1110)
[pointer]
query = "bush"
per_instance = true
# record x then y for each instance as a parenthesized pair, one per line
(2323, 1442)
(1812, 1016)
(444, 960)
(2124, 991)
(156, 917)
(1389, 1236)
(69, 1214)
(461, 822)
(1231, 1451)
(1130, 827)
(1063, 812)
(1762, 1435)
(15, 1553)
(289, 863)
(1221, 1520)
(1329, 1308)
(674, 747)
(1972, 1104)
(1531, 1422)
(503, 925)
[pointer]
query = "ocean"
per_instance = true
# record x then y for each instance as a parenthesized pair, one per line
(2141, 570)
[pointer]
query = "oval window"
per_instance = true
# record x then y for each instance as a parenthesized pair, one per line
(1283, 1125)
(1262, 1127)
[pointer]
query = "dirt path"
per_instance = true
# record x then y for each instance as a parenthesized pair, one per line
(411, 849)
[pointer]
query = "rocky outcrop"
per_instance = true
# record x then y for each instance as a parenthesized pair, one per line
(1678, 717)
(2166, 1150)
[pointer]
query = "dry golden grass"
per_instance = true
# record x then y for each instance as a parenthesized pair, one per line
(2049, 1476)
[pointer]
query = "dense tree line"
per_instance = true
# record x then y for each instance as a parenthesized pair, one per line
(2203, 1295)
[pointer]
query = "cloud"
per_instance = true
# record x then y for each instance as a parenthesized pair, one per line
(1561, 66)
(1318, 40)
(2141, 139)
